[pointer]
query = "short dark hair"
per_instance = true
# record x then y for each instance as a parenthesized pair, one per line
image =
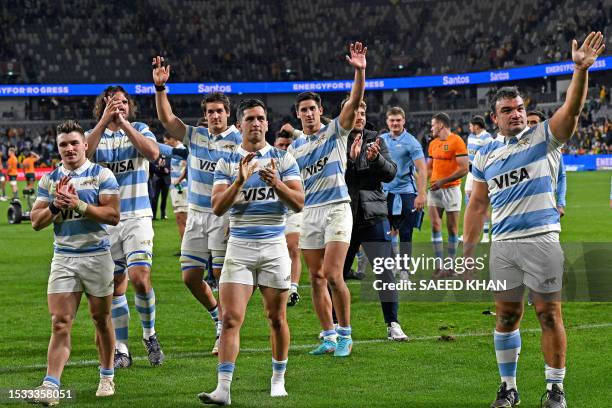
(283, 134)
(537, 113)
(307, 96)
(478, 121)
(100, 103)
(68, 126)
(248, 104)
(506, 92)
(443, 118)
(216, 97)
(396, 110)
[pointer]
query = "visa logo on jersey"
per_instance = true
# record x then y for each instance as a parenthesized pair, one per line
(120, 166)
(317, 167)
(70, 215)
(206, 165)
(511, 178)
(259, 194)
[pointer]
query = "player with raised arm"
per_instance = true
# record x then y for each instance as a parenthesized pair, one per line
(516, 173)
(126, 148)
(326, 231)
(205, 232)
(78, 198)
(256, 184)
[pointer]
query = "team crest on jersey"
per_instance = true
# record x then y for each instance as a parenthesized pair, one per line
(523, 141)
(445, 148)
(89, 181)
(230, 147)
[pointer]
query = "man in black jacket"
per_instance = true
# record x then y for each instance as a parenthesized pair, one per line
(368, 165)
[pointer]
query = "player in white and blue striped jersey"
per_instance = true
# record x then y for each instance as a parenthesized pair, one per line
(328, 222)
(205, 233)
(79, 198)
(477, 138)
(256, 184)
(516, 174)
(178, 180)
(126, 148)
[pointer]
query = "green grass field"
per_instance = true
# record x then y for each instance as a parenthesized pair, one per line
(424, 372)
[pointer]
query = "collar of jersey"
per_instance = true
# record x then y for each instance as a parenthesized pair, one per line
(401, 135)
(315, 134)
(79, 170)
(109, 132)
(261, 152)
(518, 137)
(229, 130)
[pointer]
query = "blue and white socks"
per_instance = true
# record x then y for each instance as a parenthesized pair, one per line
(121, 318)
(221, 394)
(214, 315)
(51, 381)
(277, 383)
(554, 376)
(507, 350)
(145, 305)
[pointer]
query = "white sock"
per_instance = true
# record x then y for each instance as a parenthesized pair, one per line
(554, 376)
(277, 384)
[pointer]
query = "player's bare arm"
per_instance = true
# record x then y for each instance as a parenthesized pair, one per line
(421, 200)
(462, 170)
(112, 109)
(41, 214)
(475, 215)
(356, 59)
(224, 196)
(289, 192)
(145, 146)
(563, 123)
(169, 120)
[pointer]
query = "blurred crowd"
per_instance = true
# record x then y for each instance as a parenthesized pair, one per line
(242, 40)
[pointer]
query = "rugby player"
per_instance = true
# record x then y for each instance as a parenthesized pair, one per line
(477, 138)
(126, 148)
(516, 173)
(327, 220)
(205, 232)
(12, 170)
(78, 198)
(178, 184)
(2, 180)
(29, 168)
(293, 225)
(448, 163)
(256, 184)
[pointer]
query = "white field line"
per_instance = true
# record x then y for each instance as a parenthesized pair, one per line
(86, 363)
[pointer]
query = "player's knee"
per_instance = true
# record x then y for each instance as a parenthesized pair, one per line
(508, 319)
(335, 281)
(231, 319)
(549, 319)
(276, 320)
(102, 320)
(61, 323)
(318, 279)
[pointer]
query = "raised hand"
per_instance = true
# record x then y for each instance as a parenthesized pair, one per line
(244, 169)
(268, 174)
(161, 73)
(373, 150)
(592, 47)
(356, 148)
(111, 110)
(357, 57)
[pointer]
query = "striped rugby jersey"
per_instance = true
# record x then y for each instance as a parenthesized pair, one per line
(475, 143)
(205, 150)
(257, 213)
(322, 163)
(521, 178)
(76, 235)
(131, 169)
(177, 165)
